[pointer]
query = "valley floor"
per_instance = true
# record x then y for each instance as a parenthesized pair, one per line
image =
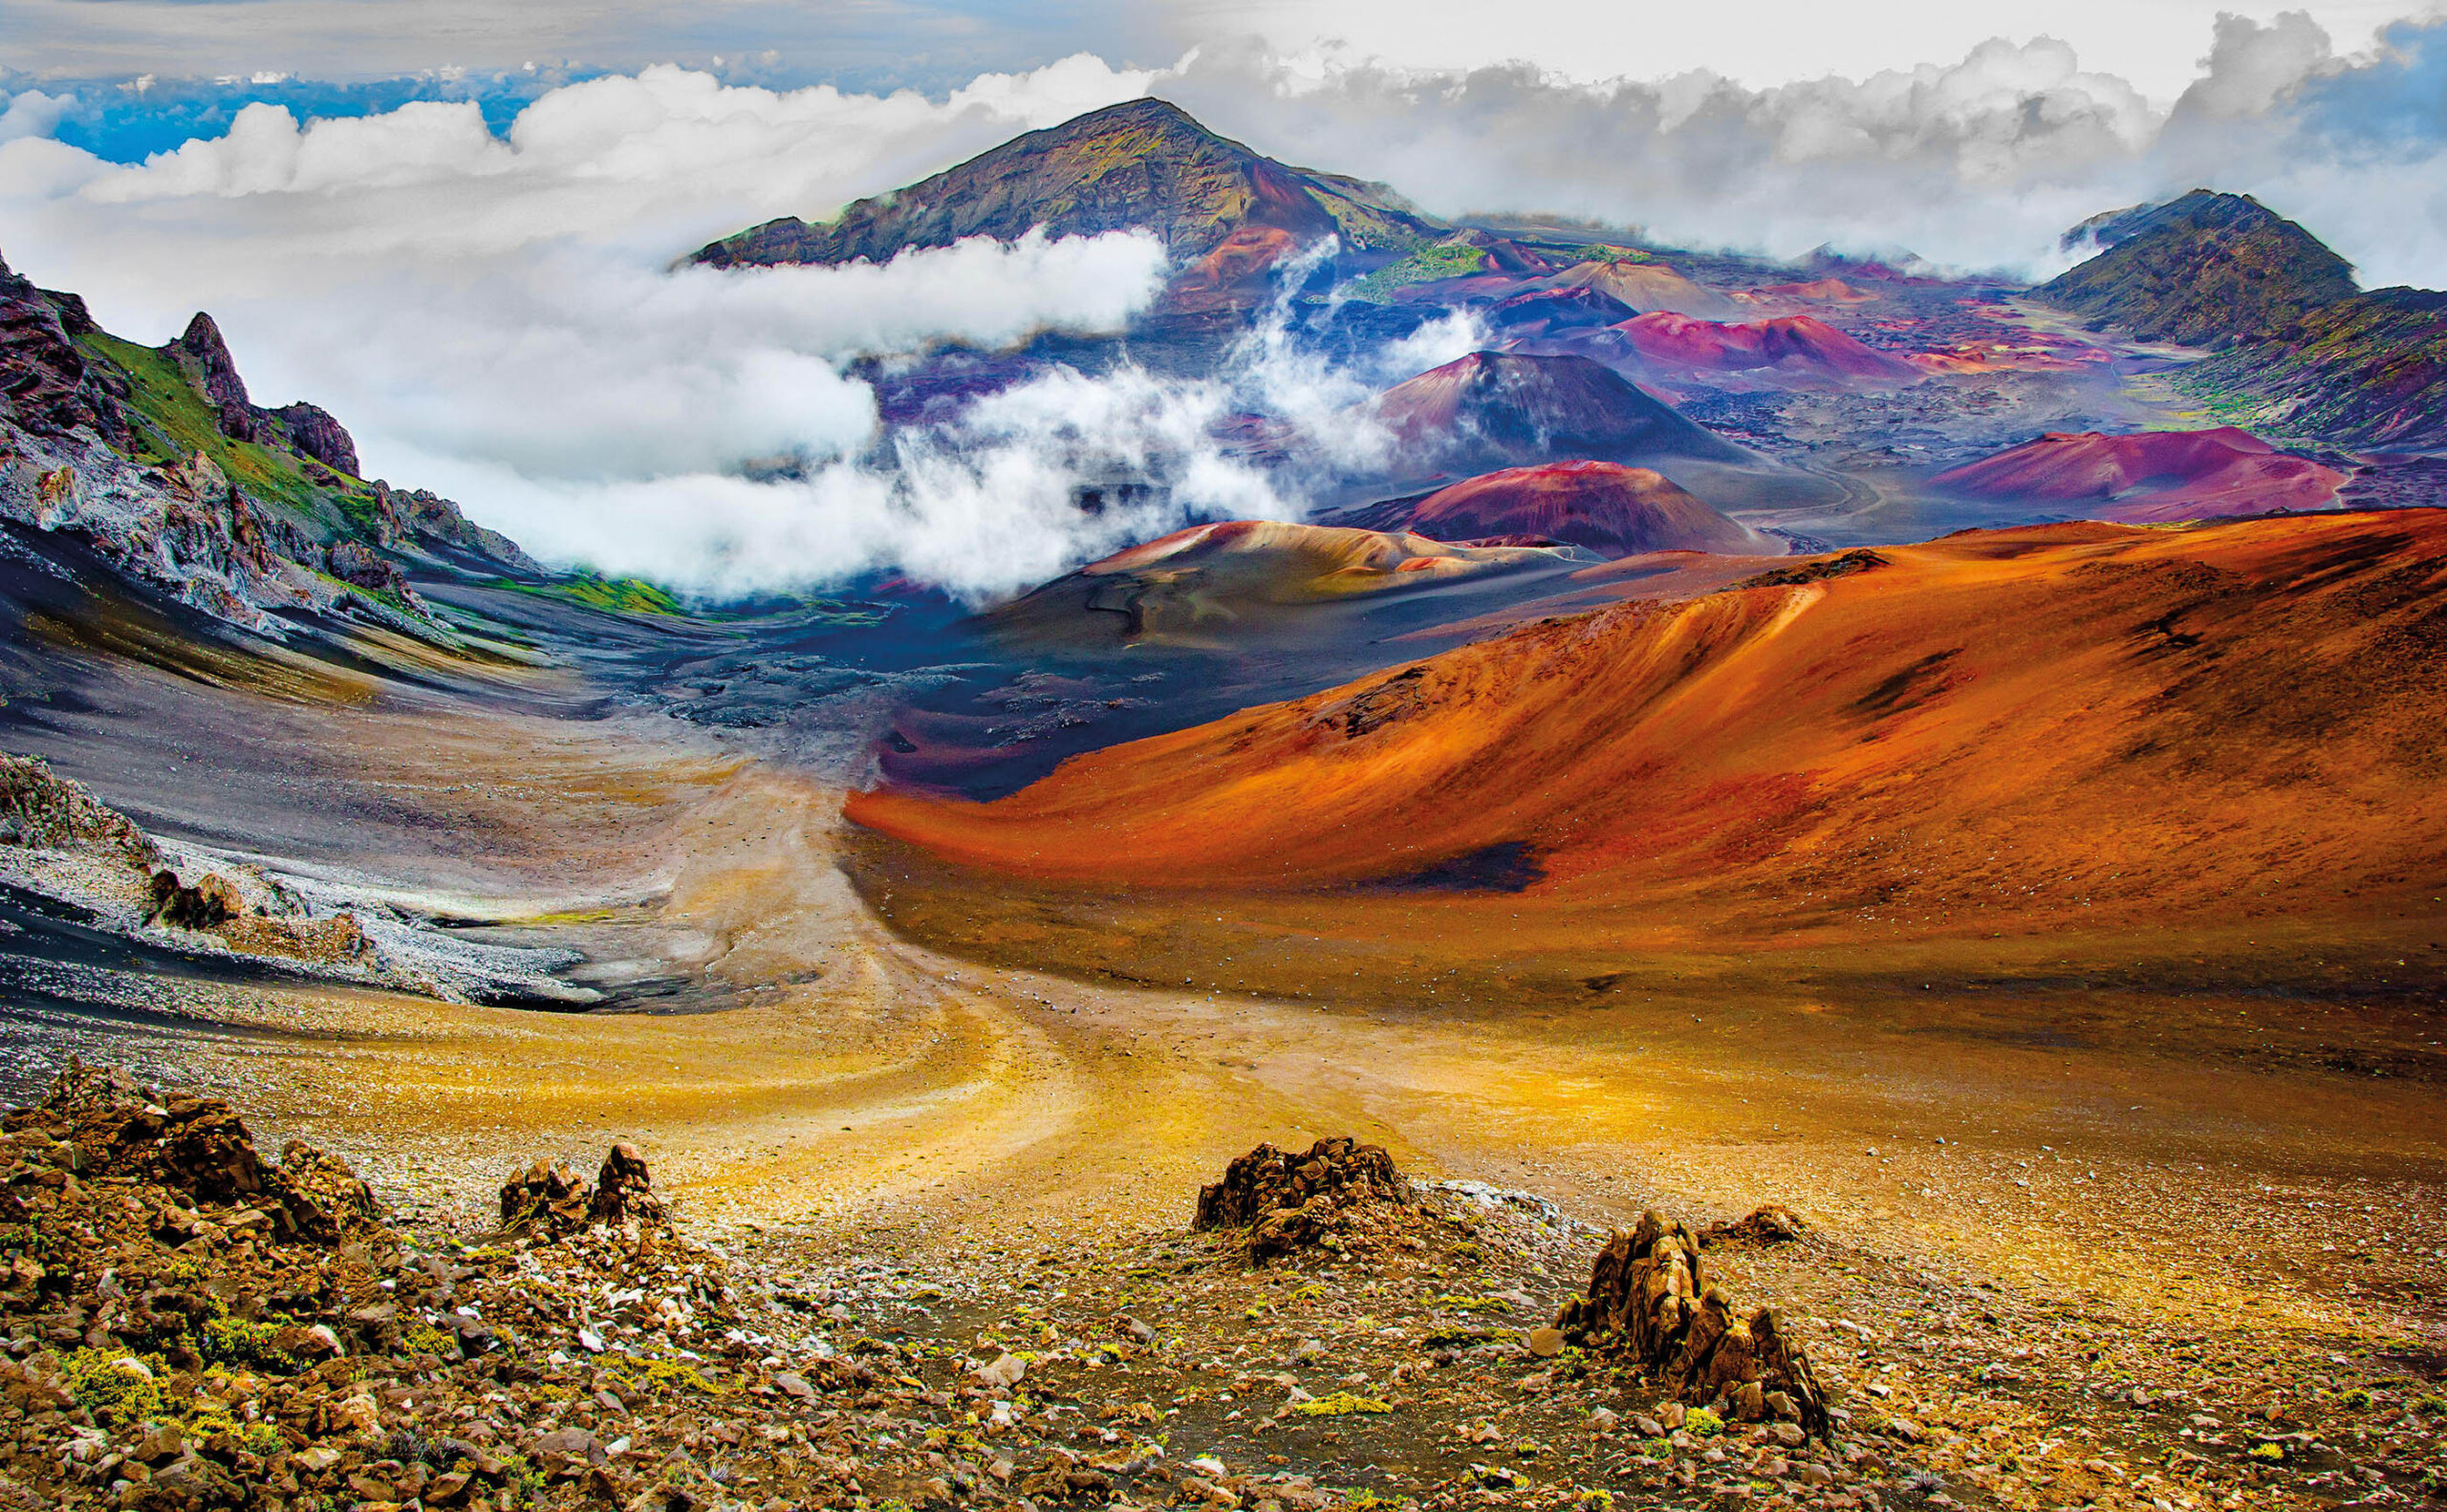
(2047, 1269)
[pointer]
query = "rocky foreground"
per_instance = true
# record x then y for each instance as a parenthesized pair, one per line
(189, 1325)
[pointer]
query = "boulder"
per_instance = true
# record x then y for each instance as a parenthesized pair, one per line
(550, 1201)
(213, 899)
(548, 1198)
(1650, 1304)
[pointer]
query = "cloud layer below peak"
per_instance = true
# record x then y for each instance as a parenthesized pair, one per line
(495, 314)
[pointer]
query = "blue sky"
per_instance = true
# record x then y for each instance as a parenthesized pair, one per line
(202, 60)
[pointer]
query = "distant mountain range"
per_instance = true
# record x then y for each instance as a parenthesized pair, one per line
(2296, 347)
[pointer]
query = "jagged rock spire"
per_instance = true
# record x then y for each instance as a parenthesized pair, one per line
(215, 375)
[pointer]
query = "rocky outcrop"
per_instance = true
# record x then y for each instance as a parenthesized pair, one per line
(549, 1199)
(199, 1329)
(46, 382)
(206, 359)
(362, 567)
(39, 808)
(104, 446)
(1650, 1304)
(1290, 1201)
(418, 515)
(1768, 1224)
(624, 1190)
(313, 431)
(546, 1197)
(195, 1146)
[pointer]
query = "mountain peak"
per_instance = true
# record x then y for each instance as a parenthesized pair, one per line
(1143, 165)
(2205, 269)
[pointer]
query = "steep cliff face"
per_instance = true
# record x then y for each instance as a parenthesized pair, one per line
(45, 380)
(204, 358)
(159, 460)
(313, 431)
(1144, 166)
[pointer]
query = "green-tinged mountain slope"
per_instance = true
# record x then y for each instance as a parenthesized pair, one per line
(1144, 166)
(2295, 350)
(2205, 270)
(158, 461)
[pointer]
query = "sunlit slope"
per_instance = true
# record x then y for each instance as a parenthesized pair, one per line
(1239, 577)
(2081, 724)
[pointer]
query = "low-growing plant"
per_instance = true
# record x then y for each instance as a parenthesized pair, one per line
(1340, 1404)
(105, 1384)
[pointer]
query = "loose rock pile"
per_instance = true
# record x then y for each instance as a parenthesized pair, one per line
(185, 1324)
(1341, 1190)
(1649, 1301)
(1771, 1224)
(549, 1199)
(38, 808)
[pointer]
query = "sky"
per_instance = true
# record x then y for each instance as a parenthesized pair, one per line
(453, 224)
(937, 44)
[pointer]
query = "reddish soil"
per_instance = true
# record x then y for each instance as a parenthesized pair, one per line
(1612, 510)
(2212, 741)
(2153, 476)
(1793, 345)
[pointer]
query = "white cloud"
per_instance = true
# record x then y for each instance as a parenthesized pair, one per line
(499, 317)
(496, 315)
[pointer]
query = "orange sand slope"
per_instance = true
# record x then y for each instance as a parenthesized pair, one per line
(2082, 723)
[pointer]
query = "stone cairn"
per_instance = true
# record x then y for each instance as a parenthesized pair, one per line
(1650, 1304)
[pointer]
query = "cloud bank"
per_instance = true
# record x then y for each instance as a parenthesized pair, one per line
(1978, 163)
(493, 312)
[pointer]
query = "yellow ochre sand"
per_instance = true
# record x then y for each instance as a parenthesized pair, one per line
(868, 1092)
